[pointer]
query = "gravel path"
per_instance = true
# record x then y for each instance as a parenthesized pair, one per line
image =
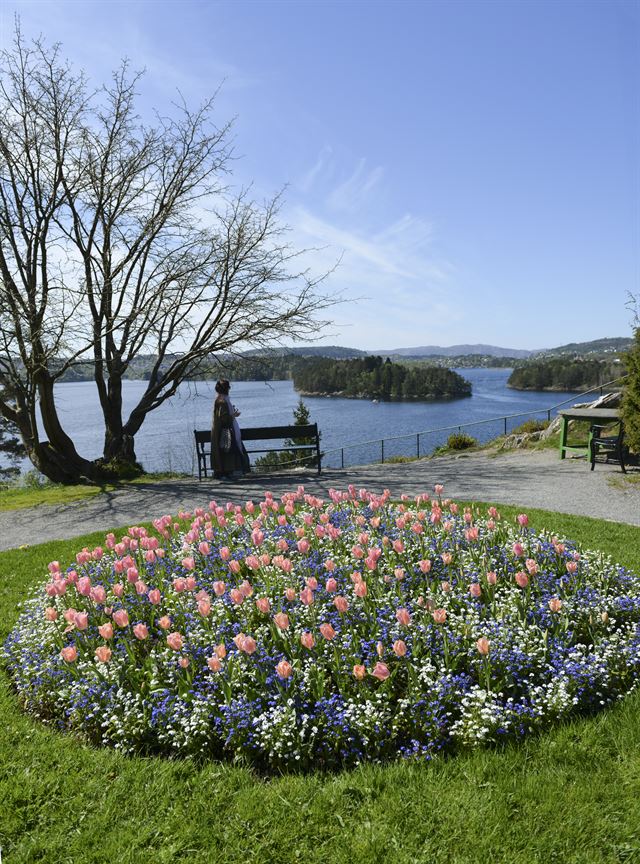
(523, 478)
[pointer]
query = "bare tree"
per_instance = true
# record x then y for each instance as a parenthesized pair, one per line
(120, 239)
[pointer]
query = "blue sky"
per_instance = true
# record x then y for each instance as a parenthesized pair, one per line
(476, 165)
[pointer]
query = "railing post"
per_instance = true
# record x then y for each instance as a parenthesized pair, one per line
(342, 456)
(505, 425)
(418, 445)
(382, 448)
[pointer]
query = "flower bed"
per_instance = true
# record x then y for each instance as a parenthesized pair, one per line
(317, 634)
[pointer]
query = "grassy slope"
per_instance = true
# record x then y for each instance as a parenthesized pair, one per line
(571, 795)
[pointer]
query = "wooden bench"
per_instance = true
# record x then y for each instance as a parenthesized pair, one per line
(594, 416)
(611, 445)
(262, 433)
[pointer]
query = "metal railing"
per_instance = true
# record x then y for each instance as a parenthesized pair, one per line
(440, 432)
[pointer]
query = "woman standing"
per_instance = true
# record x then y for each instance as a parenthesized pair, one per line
(229, 459)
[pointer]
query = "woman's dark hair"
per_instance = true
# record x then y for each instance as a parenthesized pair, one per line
(222, 386)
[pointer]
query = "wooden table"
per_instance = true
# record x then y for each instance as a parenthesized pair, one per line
(595, 416)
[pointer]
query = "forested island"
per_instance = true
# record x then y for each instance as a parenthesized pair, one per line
(374, 378)
(564, 375)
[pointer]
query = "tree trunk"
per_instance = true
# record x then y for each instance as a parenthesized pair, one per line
(58, 458)
(119, 444)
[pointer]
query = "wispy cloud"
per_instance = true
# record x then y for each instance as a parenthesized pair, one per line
(351, 195)
(389, 267)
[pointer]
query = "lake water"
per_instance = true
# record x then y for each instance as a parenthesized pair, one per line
(165, 441)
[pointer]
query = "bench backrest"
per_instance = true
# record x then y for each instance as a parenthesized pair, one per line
(262, 433)
(265, 433)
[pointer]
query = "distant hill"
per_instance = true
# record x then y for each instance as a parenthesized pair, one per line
(457, 351)
(596, 348)
(334, 351)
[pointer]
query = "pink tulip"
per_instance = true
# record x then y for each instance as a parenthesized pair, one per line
(175, 641)
(225, 553)
(518, 549)
(263, 605)
(165, 622)
(106, 630)
(234, 566)
(248, 645)
(214, 664)
(281, 620)
(399, 648)
(290, 594)
(51, 614)
(219, 588)
(118, 589)
(307, 639)
(381, 671)
(83, 586)
(571, 566)
(439, 615)
(403, 617)
(359, 672)
(132, 574)
(555, 604)
(522, 580)
(341, 603)
(184, 662)
(98, 594)
(204, 608)
(221, 650)
(483, 645)
(303, 545)
(306, 596)
(447, 558)
(246, 588)
(360, 589)
(69, 654)
(327, 632)
(492, 577)
(121, 618)
(523, 520)
(475, 589)
(532, 566)
(237, 596)
(81, 620)
(252, 562)
(154, 596)
(331, 585)
(140, 587)
(179, 585)
(438, 488)
(284, 669)
(103, 654)
(425, 565)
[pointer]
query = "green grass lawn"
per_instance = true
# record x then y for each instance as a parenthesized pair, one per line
(571, 795)
(17, 497)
